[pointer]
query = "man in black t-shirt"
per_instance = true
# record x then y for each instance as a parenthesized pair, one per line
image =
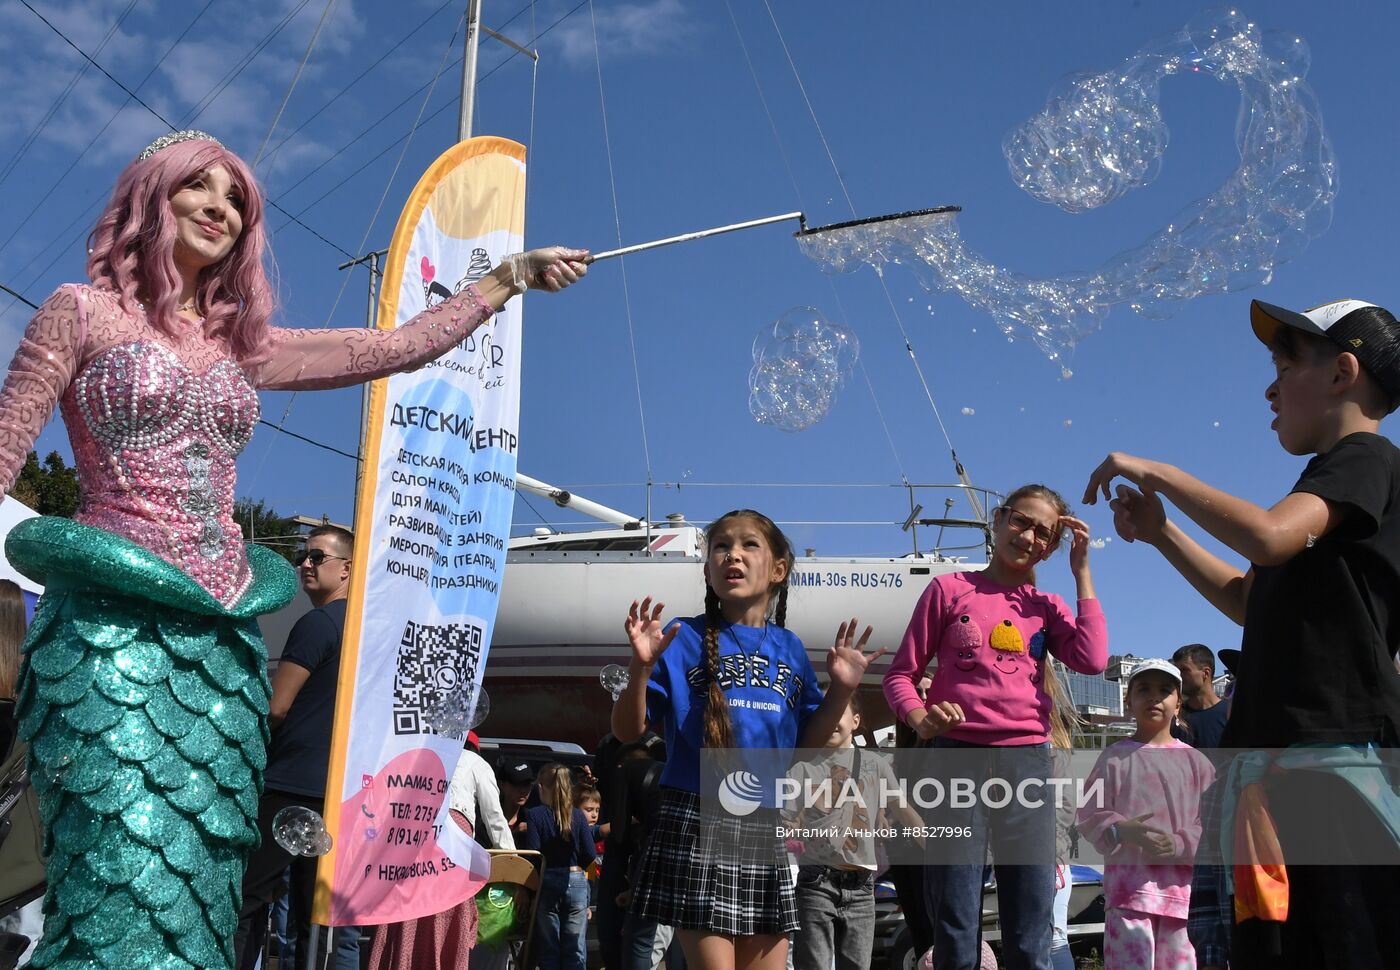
(1202, 710)
(301, 715)
(1320, 606)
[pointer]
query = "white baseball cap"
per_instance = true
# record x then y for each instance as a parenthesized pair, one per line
(1165, 666)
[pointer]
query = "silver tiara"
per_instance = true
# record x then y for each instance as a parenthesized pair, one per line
(174, 138)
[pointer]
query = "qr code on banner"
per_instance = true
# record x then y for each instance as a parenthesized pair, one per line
(434, 662)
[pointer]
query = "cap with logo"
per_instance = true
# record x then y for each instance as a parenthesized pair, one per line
(1369, 331)
(515, 772)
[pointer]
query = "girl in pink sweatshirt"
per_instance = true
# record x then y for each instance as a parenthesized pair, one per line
(1147, 825)
(993, 634)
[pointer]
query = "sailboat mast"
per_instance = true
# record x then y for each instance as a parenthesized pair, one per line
(464, 115)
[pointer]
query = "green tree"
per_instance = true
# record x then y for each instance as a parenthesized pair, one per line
(50, 488)
(264, 526)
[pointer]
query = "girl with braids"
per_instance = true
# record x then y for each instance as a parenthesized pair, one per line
(560, 831)
(993, 634)
(729, 679)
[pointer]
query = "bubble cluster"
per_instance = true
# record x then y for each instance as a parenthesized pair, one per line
(301, 831)
(457, 713)
(969, 412)
(1099, 137)
(799, 365)
(614, 678)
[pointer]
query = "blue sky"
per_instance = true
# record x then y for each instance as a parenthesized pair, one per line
(913, 100)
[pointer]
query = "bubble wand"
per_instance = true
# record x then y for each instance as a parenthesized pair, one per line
(804, 229)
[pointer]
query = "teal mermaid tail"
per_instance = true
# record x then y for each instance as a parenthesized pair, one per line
(144, 702)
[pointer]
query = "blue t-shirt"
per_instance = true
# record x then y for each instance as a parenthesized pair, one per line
(766, 677)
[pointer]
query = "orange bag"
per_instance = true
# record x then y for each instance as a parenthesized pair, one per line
(1261, 880)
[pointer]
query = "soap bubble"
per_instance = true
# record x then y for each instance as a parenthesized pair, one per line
(799, 364)
(969, 412)
(455, 714)
(301, 831)
(1099, 137)
(614, 678)
(1100, 543)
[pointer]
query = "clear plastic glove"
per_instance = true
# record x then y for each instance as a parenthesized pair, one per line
(551, 268)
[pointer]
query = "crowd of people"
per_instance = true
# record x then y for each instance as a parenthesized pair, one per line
(144, 675)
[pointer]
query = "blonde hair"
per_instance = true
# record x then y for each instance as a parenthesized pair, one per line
(557, 793)
(1064, 720)
(12, 631)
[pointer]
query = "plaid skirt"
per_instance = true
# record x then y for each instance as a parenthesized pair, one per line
(721, 874)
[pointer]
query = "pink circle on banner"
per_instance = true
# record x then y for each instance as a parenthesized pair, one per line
(398, 855)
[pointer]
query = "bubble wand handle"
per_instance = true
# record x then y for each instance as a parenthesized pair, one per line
(687, 237)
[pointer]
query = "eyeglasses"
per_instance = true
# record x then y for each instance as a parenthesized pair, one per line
(1019, 522)
(316, 556)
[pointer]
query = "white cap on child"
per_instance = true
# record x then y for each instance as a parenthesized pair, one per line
(1165, 666)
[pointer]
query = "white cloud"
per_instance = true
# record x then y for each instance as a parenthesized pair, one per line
(626, 30)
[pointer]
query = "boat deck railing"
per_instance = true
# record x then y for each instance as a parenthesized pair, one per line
(800, 509)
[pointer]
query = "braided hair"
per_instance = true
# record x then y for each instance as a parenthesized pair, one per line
(718, 730)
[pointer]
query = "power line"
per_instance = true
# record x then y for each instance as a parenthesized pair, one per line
(165, 121)
(309, 441)
(95, 138)
(62, 97)
(20, 296)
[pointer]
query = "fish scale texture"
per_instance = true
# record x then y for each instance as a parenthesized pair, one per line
(147, 727)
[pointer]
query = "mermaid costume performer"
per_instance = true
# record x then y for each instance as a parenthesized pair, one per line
(144, 691)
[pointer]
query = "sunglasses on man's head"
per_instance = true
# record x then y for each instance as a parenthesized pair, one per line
(316, 556)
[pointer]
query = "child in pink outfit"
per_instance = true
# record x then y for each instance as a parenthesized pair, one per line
(1147, 825)
(992, 634)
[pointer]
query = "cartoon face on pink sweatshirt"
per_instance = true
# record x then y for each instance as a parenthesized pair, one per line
(990, 643)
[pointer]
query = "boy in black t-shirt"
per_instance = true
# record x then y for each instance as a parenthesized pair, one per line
(1320, 603)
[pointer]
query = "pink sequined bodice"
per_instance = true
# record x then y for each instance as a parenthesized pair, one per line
(157, 420)
(155, 443)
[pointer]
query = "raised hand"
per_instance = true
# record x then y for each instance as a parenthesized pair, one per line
(1117, 464)
(1138, 515)
(846, 663)
(644, 632)
(1079, 542)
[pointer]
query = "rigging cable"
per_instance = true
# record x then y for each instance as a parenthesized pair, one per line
(88, 147)
(456, 99)
(908, 343)
(165, 121)
(63, 95)
(243, 63)
(797, 194)
(617, 222)
(345, 281)
(357, 79)
(277, 118)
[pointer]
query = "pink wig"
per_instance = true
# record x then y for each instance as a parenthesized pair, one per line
(132, 249)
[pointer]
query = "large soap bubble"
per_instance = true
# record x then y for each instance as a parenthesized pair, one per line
(301, 831)
(614, 678)
(1101, 136)
(459, 712)
(799, 363)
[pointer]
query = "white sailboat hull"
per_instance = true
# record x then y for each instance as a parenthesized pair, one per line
(561, 615)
